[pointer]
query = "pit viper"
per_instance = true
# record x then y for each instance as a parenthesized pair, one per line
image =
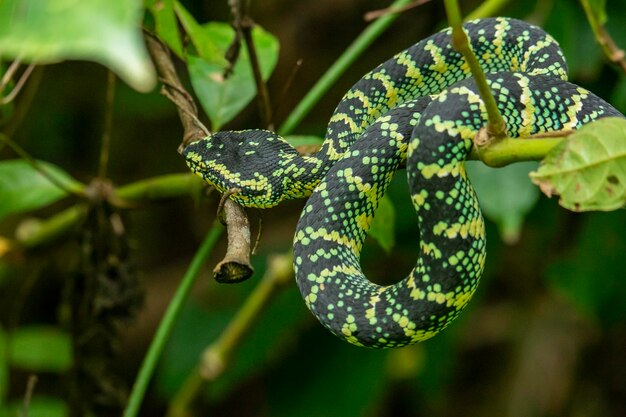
(421, 109)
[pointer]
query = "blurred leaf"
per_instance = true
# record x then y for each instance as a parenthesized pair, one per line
(588, 169)
(506, 195)
(166, 24)
(40, 348)
(591, 276)
(22, 188)
(202, 39)
(383, 225)
(44, 31)
(223, 98)
(303, 140)
(39, 406)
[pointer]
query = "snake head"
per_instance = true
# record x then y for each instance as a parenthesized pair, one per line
(246, 161)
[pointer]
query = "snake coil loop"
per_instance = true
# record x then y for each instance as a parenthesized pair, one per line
(420, 108)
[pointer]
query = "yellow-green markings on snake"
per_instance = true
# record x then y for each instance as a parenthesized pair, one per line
(418, 108)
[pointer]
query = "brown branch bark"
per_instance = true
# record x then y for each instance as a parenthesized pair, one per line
(235, 266)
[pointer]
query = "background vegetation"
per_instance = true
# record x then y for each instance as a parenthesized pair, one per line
(86, 272)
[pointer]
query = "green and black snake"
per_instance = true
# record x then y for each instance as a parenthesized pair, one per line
(420, 108)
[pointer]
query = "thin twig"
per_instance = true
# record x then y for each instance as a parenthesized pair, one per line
(236, 265)
(604, 39)
(243, 25)
(18, 86)
(28, 395)
(8, 75)
(286, 87)
(174, 90)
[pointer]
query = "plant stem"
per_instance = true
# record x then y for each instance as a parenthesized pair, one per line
(510, 150)
(169, 318)
(140, 192)
(216, 357)
(356, 48)
(496, 127)
(604, 39)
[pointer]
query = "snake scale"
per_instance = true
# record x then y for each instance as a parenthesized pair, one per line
(420, 108)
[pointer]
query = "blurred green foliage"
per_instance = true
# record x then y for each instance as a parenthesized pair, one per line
(538, 253)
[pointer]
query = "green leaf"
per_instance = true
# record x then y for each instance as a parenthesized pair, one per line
(303, 140)
(39, 406)
(202, 39)
(23, 188)
(506, 195)
(40, 348)
(107, 32)
(588, 169)
(383, 226)
(223, 98)
(166, 24)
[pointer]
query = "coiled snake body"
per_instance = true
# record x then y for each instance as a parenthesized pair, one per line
(419, 108)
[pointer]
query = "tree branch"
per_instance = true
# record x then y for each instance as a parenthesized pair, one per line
(236, 265)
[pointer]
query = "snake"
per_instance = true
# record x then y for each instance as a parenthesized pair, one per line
(420, 109)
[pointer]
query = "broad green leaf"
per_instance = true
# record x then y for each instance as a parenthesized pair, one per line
(588, 169)
(23, 188)
(40, 348)
(107, 32)
(303, 140)
(39, 406)
(202, 39)
(223, 98)
(166, 25)
(505, 194)
(382, 228)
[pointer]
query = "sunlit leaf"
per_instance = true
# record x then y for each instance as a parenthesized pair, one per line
(166, 25)
(23, 188)
(588, 169)
(222, 98)
(506, 195)
(383, 225)
(107, 32)
(40, 348)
